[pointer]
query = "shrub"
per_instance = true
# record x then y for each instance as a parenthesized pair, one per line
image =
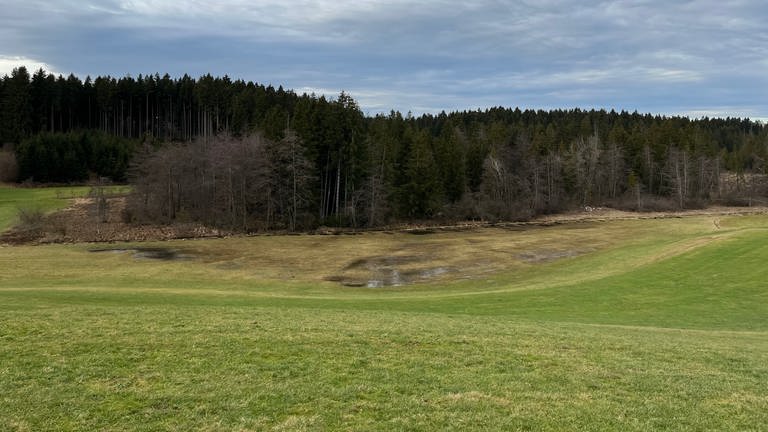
(31, 223)
(9, 168)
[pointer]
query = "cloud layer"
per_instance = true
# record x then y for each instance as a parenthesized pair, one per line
(649, 55)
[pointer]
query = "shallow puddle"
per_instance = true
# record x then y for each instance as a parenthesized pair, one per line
(388, 270)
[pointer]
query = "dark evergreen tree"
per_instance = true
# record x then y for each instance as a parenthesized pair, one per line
(420, 194)
(16, 107)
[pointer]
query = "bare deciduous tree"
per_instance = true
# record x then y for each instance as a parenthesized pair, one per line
(584, 161)
(242, 184)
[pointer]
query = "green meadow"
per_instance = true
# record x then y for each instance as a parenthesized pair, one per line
(619, 325)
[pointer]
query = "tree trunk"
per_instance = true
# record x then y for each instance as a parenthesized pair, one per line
(338, 185)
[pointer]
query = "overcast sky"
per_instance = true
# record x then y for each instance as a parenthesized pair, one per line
(696, 58)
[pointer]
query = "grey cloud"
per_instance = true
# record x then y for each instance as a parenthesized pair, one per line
(432, 55)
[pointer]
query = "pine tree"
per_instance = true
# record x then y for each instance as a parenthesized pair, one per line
(16, 107)
(421, 194)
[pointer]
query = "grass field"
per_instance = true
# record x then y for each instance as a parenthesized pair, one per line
(623, 325)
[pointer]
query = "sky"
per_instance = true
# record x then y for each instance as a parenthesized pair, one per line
(695, 58)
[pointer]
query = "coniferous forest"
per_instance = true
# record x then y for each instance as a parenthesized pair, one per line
(246, 156)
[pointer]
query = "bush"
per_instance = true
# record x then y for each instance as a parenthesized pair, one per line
(655, 203)
(31, 222)
(647, 203)
(102, 205)
(9, 168)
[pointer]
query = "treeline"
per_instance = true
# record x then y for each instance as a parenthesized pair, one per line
(402, 170)
(145, 107)
(248, 156)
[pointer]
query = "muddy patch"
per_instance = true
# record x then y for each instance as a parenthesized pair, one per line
(582, 225)
(421, 231)
(151, 253)
(544, 256)
(383, 261)
(386, 271)
(385, 277)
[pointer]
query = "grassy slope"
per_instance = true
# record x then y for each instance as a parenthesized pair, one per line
(662, 325)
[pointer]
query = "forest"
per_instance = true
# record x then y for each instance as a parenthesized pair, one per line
(251, 157)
